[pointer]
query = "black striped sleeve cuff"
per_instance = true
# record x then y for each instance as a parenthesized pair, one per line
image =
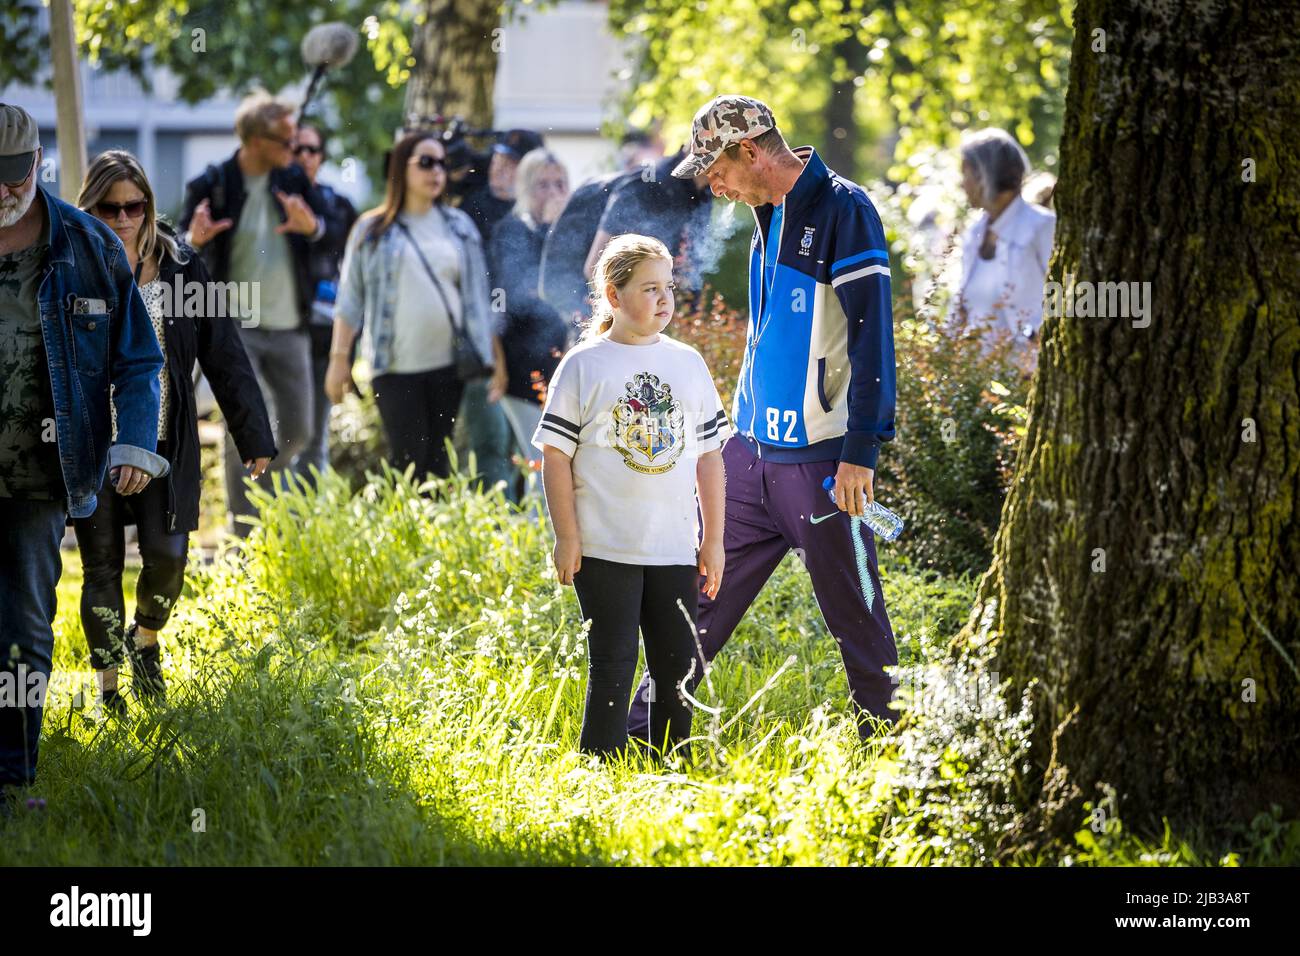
(557, 432)
(561, 426)
(710, 428)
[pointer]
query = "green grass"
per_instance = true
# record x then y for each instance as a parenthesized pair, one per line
(387, 678)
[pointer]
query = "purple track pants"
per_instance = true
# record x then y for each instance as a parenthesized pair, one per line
(771, 508)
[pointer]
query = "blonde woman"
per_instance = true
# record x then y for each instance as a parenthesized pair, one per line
(631, 434)
(534, 336)
(117, 192)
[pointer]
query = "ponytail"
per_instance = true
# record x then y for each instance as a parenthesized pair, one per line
(617, 262)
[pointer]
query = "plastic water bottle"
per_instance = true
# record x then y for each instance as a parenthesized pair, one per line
(886, 525)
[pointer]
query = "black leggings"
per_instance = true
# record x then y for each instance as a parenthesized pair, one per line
(418, 410)
(102, 541)
(616, 598)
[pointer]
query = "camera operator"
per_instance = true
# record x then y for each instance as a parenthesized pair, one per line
(490, 202)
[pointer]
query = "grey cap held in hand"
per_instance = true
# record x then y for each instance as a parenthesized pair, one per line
(19, 140)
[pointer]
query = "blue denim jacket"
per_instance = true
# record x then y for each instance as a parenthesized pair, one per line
(368, 288)
(90, 348)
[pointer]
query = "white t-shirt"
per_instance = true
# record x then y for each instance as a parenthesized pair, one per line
(634, 418)
(422, 333)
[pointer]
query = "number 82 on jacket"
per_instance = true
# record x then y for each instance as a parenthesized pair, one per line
(775, 417)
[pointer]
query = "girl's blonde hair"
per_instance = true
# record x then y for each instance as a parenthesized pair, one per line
(617, 262)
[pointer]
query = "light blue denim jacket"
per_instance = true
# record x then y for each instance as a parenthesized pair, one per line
(110, 341)
(369, 283)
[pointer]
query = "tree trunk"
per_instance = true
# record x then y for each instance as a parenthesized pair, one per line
(455, 53)
(1145, 573)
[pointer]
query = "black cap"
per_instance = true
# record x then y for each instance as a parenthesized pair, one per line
(516, 142)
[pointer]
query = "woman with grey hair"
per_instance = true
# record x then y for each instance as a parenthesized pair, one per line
(1006, 251)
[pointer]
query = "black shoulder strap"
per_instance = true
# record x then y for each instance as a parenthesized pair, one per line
(451, 317)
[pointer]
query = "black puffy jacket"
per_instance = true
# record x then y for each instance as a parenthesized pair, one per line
(215, 344)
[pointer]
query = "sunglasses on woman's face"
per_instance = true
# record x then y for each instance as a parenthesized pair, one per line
(428, 162)
(304, 148)
(111, 210)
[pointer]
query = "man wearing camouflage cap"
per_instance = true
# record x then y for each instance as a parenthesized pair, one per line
(72, 327)
(815, 397)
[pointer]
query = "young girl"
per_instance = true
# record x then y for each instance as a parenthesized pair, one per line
(633, 426)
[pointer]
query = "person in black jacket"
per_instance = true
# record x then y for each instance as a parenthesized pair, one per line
(175, 286)
(562, 281)
(326, 261)
(256, 218)
(492, 201)
(656, 203)
(535, 335)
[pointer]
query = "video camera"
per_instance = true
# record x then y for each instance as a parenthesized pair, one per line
(467, 164)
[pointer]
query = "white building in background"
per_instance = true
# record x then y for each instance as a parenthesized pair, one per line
(556, 75)
(173, 140)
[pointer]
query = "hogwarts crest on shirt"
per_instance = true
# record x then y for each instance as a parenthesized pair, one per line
(646, 425)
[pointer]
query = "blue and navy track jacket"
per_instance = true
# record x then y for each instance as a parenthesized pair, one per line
(817, 381)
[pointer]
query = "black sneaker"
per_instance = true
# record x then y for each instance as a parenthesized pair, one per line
(146, 668)
(114, 702)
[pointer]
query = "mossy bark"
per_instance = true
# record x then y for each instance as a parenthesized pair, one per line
(1168, 455)
(456, 60)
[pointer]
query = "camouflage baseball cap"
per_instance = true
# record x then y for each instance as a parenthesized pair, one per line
(719, 123)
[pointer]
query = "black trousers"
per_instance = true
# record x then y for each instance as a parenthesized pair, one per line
(617, 598)
(102, 541)
(418, 410)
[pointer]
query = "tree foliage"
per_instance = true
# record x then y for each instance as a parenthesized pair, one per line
(933, 68)
(235, 45)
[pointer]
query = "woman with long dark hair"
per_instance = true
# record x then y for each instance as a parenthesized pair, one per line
(414, 281)
(167, 271)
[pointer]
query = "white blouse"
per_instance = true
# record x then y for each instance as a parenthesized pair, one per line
(155, 295)
(1007, 290)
